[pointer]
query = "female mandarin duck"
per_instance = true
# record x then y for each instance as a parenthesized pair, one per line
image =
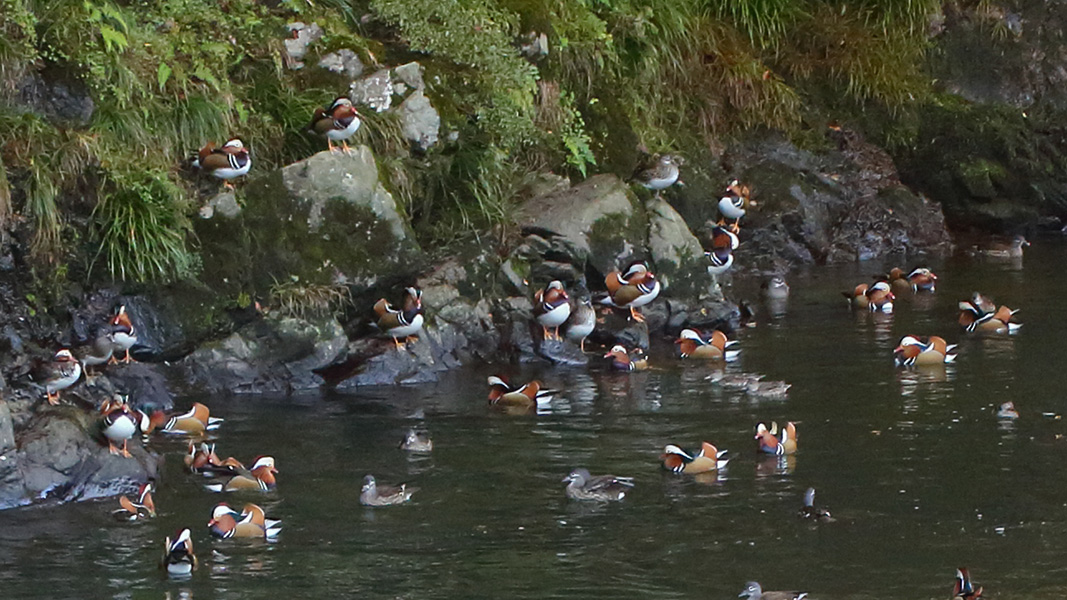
(810, 511)
(661, 175)
(122, 334)
(581, 322)
(251, 522)
(963, 587)
(775, 288)
(770, 443)
(228, 162)
(122, 423)
(770, 390)
(337, 122)
(1012, 250)
(714, 345)
(101, 351)
(403, 323)
(525, 397)
(61, 373)
(708, 458)
(418, 442)
(551, 308)
(632, 289)
(373, 494)
(734, 202)
(601, 488)
(721, 255)
(753, 591)
(178, 558)
(196, 421)
(143, 508)
(259, 478)
(980, 314)
(622, 361)
(933, 350)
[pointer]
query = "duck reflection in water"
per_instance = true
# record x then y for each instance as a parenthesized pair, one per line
(911, 378)
(767, 465)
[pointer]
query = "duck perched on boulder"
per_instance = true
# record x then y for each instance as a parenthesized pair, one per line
(229, 162)
(403, 323)
(734, 203)
(336, 122)
(551, 308)
(632, 289)
(662, 174)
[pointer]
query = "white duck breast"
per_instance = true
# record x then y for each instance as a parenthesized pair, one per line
(648, 296)
(346, 132)
(121, 429)
(410, 329)
(123, 340)
(662, 183)
(64, 382)
(729, 209)
(580, 329)
(718, 267)
(556, 316)
(236, 168)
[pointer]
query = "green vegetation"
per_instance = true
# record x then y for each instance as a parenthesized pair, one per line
(111, 197)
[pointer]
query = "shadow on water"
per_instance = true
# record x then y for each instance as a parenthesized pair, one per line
(919, 473)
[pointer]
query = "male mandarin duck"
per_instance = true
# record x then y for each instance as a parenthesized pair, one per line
(770, 390)
(622, 361)
(735, 200)
(581, 322)
(122, 333)
(714, 345)
(963, 587)
(721, 255)
(528, 396)
(417, 441)
(914, 350)
(1007, 411)
(373, 494)
(922, 279)
(661, 175)
(251, 522)
(979, 315)
(775, 288)
(1012, 250)
(143, 508)
(61, 373)
(337, 122)
(403, 323)
(632, 289)
(810, 511)
(122, 423)
(601, 488)
(204, 460)
(708, 458)
(753, 591)
(178, 558)
(880, 297)
(259, 478)
(770, 443)
(228, 162)
(196, 421)
(551, 308)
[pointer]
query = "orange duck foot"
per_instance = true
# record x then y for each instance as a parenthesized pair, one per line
(399, 347)
(125, 453)
(636, 315)
(53, 399)
(345, 147)
(411, 339)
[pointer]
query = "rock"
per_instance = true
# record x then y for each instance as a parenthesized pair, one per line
(343, 62)
(420, 121)
(375, 91)
(411, 75)
(63, 101)
(562, 353)
(145, 385)
(224, 204)
(677, 254)
(296, 46)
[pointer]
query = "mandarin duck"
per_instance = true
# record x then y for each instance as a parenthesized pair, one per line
(898, 281)
(721, 255)
(922, 279)
(979, 315)
(1007, 411)
(97, 353)
(714, 345)
(122, 334)
(601, 488)
(622, 361)
(373, 494)
(661, 175)
(403, 323)
(178, 558)
(857, 298)
(775, 288)
(525, 397)
(417, 441)
(708, 458)
(1012, 250)
(551, 308)
(933, 350)
(228, 162)
(770, 443)
(196, 421)
(770, 390)
(734, 202)
(251, 522)
(337, 122)
(204, 460)
(581, 322)
(734, 381)
(880, 297)
(143, 508)
(753, 591)
(122, 423)
(810, 511)
(61, 373)
(632, 289)
(259, 478)
(963, 587)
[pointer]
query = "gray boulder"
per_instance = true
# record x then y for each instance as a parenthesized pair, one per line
(420, 122)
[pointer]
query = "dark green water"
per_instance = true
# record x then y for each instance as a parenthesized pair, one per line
(914, 465)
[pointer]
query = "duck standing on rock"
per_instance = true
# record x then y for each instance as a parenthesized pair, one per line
(581, 323)
(632, 289)
(721, 255)
(734, 202)
(61, 373)
(123, 334)
(99, 352)
(122, 423)
(551, 308)
(662, 174)
(230, 161)
(582, 486)
(404, 323)
(178, 557)
(337, 122)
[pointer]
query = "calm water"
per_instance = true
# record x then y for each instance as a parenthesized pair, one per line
(914, 465)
